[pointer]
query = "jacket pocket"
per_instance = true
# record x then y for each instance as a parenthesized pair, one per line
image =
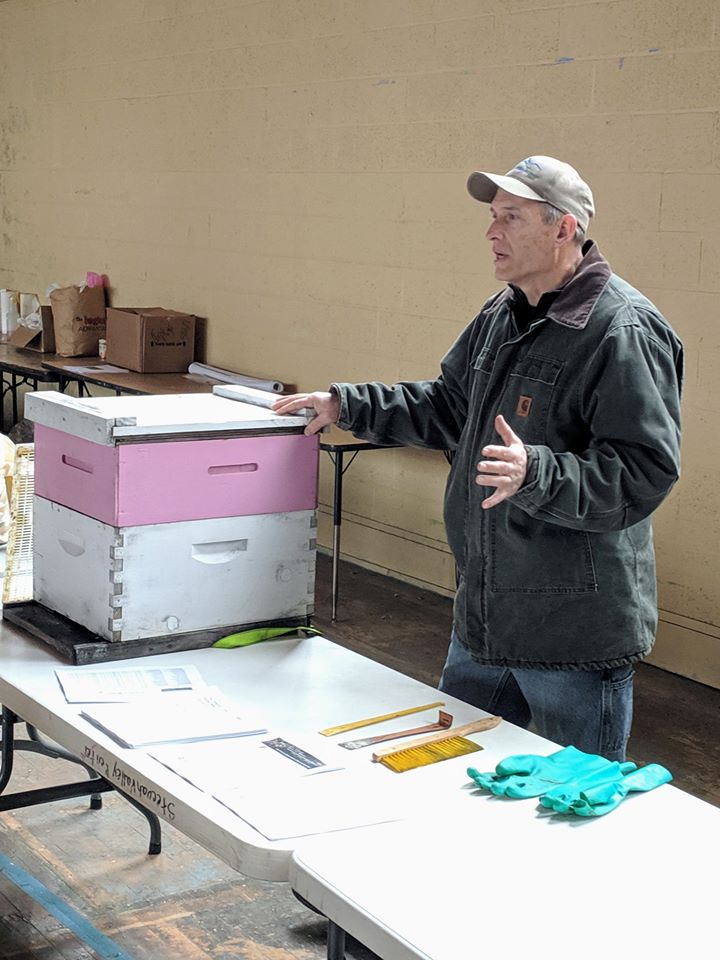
(483, 362)
(482, 368)
(531, 556)
(525, 402)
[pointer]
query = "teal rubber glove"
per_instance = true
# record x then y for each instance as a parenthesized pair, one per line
(566, 793)
(529, 775)
(596, 798)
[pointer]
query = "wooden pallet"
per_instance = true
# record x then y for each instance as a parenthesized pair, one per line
(80, 646)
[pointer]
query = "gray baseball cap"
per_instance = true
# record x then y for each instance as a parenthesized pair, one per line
(539, 178)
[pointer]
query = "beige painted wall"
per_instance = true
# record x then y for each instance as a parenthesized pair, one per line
(294, 171)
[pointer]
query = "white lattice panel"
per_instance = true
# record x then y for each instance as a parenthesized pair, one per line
(18, 581)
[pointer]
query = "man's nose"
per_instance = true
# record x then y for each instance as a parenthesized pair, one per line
(492, 231)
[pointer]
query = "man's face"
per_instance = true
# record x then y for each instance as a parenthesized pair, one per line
(524, 248)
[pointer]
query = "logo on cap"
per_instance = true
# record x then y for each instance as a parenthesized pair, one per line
(530, 167)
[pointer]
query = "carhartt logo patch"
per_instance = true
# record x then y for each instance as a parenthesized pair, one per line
(523, 406)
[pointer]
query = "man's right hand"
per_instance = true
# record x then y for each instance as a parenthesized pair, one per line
(325, 405)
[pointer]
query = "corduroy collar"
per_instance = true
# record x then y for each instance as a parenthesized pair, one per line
(576, 299)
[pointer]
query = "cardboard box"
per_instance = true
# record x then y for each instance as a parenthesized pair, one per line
(150, 339)
(41, 341)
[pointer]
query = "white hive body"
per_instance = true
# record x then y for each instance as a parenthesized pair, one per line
(133, 583)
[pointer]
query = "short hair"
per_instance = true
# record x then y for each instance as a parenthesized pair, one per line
(551, 214)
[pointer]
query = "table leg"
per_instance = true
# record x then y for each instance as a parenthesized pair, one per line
(7, 729)
(36, 744)
(335, 942)
(15, 385)
(153, 822)
(6, 389)
(16, 381)
(93, 787)
(337, 520)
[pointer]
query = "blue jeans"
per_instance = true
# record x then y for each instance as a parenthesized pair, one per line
(590, 709)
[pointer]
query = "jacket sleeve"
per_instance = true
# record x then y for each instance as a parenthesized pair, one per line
(423, 413)
(631, 403)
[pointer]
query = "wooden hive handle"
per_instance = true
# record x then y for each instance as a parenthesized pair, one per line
(475, 726)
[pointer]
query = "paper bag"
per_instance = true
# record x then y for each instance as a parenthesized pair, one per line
(78, 320)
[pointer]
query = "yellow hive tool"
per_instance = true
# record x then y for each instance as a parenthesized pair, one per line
(356, 724)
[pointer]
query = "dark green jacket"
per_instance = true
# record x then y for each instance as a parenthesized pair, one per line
(562, 574)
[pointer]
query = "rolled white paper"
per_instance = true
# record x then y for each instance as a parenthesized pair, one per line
(9, 310)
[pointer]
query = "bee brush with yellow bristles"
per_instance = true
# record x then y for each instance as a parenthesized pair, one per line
(435, 746)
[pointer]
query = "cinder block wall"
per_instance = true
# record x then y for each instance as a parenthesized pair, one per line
(294, 171)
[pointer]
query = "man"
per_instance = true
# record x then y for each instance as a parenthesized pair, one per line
(561, 404)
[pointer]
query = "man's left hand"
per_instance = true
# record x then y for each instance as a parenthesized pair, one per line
(505, 468)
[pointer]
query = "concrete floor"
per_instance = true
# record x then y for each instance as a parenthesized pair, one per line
(185, 904)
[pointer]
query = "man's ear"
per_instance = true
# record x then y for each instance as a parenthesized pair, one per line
(566, 229)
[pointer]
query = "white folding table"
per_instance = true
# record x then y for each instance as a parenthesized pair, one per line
(499, 878)
(305, 684)
(462, 875)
